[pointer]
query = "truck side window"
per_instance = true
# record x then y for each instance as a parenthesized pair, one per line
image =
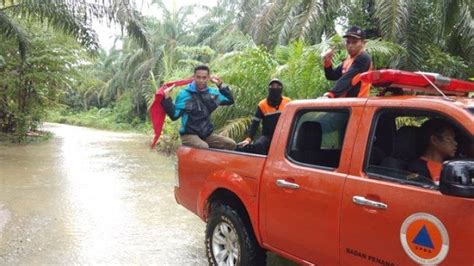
(398, 142)
(317, 137)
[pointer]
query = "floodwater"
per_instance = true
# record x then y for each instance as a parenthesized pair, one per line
(94, 197)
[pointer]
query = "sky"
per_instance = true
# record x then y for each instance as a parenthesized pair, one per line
(107, 33)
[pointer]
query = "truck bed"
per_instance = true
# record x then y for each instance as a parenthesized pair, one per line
(213, 171)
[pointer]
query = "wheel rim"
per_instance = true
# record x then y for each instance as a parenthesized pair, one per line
(225, 244)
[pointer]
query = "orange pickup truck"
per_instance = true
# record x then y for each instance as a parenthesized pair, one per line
(335, 188)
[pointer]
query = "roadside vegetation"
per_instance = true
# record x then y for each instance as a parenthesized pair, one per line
(52, 70)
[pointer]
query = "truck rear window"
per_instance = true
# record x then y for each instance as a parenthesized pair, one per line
(318, 136)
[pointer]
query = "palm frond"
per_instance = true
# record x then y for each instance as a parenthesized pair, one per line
(383, 52)
(392, 16)
(381, 47)
(162, 7)
(288, 27)
(464, 32)
(236, 41)
(9, 28)
(132, 19)
(59, 17)
(309, 18)
(264, 20)
(249, 9)
(143, 69)
(236, 128)
(449, 10)
(73, 17)
(413, 41)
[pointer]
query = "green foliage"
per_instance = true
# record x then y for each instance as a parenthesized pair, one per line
(421, 26)
(362, 13)
(31, 85)
(30, 138)
(104, 118)
(118, 86)
(197, 53)
(71, 18)
(122, 110)
(169, 140)
(410, 121)
(302, 74)
(383, 52)
(445, 64)
(248, 73)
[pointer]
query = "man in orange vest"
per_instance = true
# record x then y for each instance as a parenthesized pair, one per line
(438, 143)
(268, 112)
(347, 74)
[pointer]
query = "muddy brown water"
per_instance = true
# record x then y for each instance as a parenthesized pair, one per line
(90, 196)
(94, 197)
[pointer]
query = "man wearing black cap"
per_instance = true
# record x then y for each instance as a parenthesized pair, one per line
(347, 74)
(268, 111)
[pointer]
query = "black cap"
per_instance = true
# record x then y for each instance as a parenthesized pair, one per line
(275, 80)
(355, 32)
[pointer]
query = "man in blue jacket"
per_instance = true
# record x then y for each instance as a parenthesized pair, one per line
(194, 105)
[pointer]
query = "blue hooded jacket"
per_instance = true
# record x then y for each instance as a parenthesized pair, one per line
(195, 108)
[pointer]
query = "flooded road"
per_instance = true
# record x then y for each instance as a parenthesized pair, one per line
(94, 197)
(88, 197)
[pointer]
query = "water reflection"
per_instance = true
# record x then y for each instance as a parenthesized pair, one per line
(89, 197)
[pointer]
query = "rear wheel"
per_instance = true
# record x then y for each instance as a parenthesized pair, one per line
(229, 240)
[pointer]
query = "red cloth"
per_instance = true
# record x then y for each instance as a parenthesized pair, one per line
(157, 113)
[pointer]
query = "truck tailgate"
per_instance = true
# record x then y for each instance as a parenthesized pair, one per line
(210, 169)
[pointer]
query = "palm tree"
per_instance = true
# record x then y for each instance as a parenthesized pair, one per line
(130, 72)
(72, 17)
(274, 22)
(419, 25)
(425, 29)
(220, 27)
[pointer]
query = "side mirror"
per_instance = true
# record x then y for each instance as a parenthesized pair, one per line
(457, 178)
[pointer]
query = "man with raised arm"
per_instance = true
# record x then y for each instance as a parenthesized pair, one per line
(194, 105)
(346, 75)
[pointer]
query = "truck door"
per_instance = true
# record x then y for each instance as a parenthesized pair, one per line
(391, 216)
(303, 183)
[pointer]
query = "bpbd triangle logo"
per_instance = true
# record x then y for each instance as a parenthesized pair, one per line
(424, 238)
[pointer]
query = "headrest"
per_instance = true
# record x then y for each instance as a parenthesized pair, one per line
(309, 136)
(405, 143)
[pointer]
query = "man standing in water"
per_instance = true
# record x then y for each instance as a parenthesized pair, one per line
(347, 74)
(194, 105)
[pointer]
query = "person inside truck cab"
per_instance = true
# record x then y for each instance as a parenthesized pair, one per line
(347, 74)
(268, 112)
(194, 105)
(438, 143)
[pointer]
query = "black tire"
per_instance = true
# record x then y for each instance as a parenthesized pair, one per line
(249, 252)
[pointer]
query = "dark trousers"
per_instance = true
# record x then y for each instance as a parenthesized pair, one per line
(259, 146)
(213, 141)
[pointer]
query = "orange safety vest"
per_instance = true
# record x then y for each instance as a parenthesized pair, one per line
(268, 109)
(271, 114)
(364, 87)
